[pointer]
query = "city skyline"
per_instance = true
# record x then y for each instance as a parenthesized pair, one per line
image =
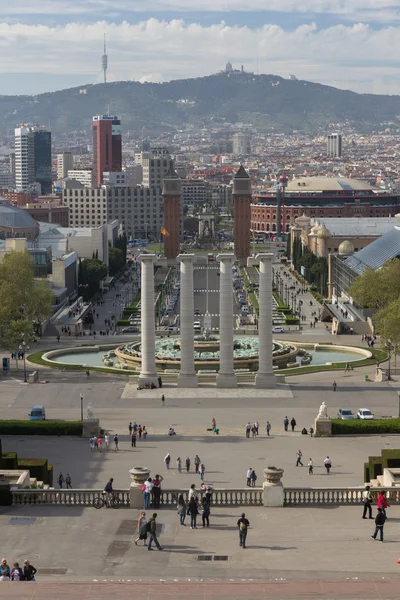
(52, 45)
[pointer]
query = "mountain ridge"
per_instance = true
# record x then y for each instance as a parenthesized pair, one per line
(266, 101)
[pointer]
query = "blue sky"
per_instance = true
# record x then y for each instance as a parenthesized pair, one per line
(53, 44)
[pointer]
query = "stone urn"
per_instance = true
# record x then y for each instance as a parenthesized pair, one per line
(273, 475)
(139, 475)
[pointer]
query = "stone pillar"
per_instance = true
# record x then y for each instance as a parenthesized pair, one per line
(148, 373)
(187, 376)
(241, 194)
(226, 377)
(171, 192)
(265, 377)
(273, 490)
(323, 427)
(138, 477)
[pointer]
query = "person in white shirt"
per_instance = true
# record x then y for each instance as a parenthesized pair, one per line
(249, 476)
(106, 440)
(147, 487)
(192, 492)
(328, 464)
(310, 466)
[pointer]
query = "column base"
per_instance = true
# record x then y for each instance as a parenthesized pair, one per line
(265, 381)
(188, 381)
(145, 378)
(226, 380)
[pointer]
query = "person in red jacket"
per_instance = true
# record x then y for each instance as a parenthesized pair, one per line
(383, 503)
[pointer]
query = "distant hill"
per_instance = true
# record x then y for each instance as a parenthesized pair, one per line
(264, 100)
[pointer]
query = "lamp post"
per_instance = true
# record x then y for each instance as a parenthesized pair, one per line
(81, 396)
(24, 350)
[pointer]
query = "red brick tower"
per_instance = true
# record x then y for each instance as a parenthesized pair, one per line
(242, 215)
(171, 192)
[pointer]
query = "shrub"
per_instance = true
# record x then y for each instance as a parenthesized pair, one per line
(129, 311)
(291, 320)
(360, 427)
(123, 322)
(50, 475)
(37, 467)
(5, 495)
(41, 428)
(8, 461)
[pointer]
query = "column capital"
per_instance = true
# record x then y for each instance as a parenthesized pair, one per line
(225, 257)
(149, 258)
(186, 258)
(265, 256)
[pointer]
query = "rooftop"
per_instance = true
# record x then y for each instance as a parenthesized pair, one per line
(329, 184)
(377, 253)
(357, 226)
(13, 217)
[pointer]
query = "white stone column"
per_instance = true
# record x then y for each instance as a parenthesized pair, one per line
(187, 376)
(226, 377)
(265, 377)
(148, 373)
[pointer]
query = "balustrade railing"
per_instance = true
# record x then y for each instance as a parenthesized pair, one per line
(220, 497)
(335, 495)
(65, 497)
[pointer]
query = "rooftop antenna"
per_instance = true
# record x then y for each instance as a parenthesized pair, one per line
(104, 60)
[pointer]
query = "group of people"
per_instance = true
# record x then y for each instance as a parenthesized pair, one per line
(67, 480)
(137, 432)
(381, 516)
(251, 477)
(98, 442)
(370, 339)
(252, 429)
(310, 464)
(152, 492)
(195, 506)
(199, 467)
(17, 573)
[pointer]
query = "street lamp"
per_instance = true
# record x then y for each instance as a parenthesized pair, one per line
(24, 347)
(146, 225)
(81, 406)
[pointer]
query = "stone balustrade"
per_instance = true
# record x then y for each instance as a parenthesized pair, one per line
(65, 497)
(334, 495)
(220, 497)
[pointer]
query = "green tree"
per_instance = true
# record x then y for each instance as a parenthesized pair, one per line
(116, 260)
(376, 288)
(25, 302)
(90, 273)
(387, 322)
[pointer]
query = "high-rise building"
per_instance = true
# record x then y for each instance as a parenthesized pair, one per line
(42, 158)
(65, 162)
(33, 158)
(241, 145)
(334, 145)
(155, 165)
(24, 158)
(107, 146)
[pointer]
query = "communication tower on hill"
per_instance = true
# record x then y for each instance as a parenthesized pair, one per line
(104, 60)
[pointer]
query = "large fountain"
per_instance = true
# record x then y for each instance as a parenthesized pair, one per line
(206, 353)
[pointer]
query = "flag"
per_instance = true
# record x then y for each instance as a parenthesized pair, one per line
(164, 231)
(253, 234)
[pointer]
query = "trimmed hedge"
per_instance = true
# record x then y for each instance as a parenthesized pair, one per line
(291, 320)
(41, 428)
(361, 427)
(38, 468)
(8, 461)
(123, 322)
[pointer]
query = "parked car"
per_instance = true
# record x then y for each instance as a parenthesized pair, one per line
(197, 325)
(196, 311)
(278, 329)
(130, 330)
(365, 414)
(37, 413)
(346, 414)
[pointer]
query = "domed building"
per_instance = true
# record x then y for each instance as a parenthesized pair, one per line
(321, 198)
(16, 223)
(346, 248)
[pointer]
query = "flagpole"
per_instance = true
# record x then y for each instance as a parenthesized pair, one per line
(160, 241)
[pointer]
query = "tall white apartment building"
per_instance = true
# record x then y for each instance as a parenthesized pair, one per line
(24, 158)
(241, 145)
(155, 164)
(334, 145)
(65, 162)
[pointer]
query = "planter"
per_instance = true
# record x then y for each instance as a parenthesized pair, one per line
(273, 474)
(139, 475)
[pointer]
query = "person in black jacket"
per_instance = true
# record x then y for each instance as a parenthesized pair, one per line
(379, 523)
(29, 571)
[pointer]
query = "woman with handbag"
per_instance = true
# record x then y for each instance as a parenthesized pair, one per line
(142, 529)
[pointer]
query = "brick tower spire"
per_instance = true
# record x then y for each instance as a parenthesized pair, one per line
(242, 217)
(171, 192)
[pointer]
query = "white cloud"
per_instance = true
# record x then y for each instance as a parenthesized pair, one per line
(377, 10)
(354, 57)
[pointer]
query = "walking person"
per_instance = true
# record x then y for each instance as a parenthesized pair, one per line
(167, 460)
(299, 455)
(379, 523)
(182, 510)
(179, 464)
(107, 441)
(310, 466)
(60, 480)
(334, 386)
(213, 424)
(193, 511)
(383, 503)
(205, 517)
(248, 476)
(197, 463)
(367, 499)
(293, 423)
(202, 472)
(68, 481)
(328, 464)
(243, 525)
(142, 529)
(257, 426)
(163, 400)
(286, 423)
(130, 428)
(157, 490)
(187, 463)
(140, 432)
(133, 439)
(253, 431)
(144, 433)
(268, 428)
(152, 529)
(248, 429)
(253, 478)
(116, 442)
